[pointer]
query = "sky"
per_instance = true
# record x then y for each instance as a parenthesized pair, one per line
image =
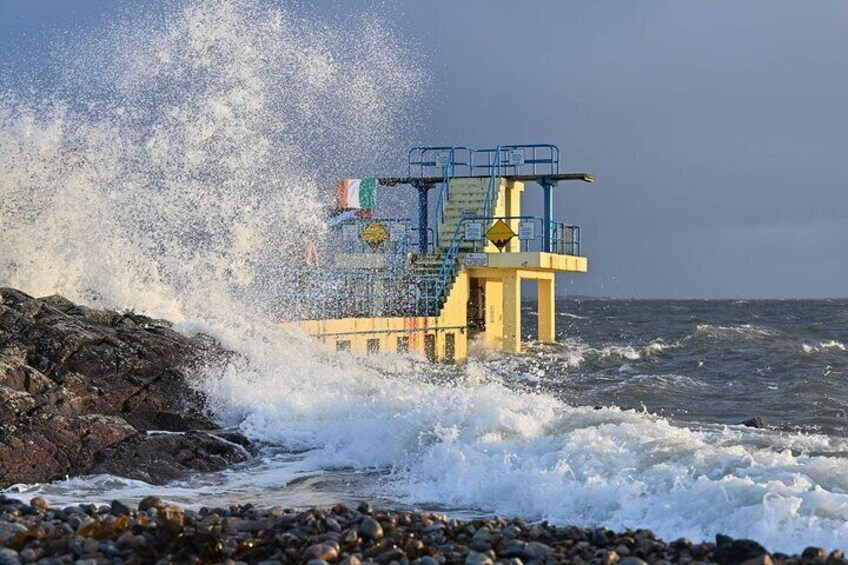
(716, 130)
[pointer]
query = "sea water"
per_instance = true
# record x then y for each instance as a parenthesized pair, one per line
(184, 155)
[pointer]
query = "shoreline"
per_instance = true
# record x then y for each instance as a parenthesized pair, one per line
(158, 532)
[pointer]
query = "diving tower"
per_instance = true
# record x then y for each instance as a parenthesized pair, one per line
(454, 272)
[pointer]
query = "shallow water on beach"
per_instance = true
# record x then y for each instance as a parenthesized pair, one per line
(631, 420)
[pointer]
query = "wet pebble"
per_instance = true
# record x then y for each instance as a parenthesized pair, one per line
(371, 529)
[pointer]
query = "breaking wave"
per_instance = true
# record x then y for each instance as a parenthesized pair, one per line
(744, 330)
(831, 345)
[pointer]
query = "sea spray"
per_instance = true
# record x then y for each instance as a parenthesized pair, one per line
(198, 148)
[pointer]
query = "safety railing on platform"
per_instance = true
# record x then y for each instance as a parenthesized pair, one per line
(415, 238)
(347, 238)
(320, 294)
(448, 162)
(565, 238)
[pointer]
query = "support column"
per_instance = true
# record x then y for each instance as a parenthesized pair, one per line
(547, 309)
(422, 218)
(548, 214)
(512, 312)
(512, 201)
(494, 312)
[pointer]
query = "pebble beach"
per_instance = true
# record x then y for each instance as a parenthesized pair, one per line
(157, 532)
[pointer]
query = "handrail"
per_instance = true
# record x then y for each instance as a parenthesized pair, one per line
(490, 190)
(566, 240)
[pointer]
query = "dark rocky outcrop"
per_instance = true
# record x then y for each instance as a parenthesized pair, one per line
(80, 389)
(755, 422)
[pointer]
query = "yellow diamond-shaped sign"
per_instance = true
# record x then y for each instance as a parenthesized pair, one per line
(500, 233)
(375, 234)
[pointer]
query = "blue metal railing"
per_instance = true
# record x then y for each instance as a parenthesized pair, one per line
(447, 161)
(347, 240)
(315, 294)
(415, 237)
(565, 240)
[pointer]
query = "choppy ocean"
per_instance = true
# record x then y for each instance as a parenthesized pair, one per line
(631, 420)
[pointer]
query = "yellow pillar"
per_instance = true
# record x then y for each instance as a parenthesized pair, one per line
(512, 312)
(512, 200)
(494, 312)
(546, 309)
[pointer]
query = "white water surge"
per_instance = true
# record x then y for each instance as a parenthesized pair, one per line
(189, 155)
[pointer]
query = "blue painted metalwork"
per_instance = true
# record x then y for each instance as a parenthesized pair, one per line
(345, 239)
(548, 214)
(449, 162)
(317, 293)
(565, 238)
(422, 217)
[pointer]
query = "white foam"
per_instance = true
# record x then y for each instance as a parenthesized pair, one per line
(830, 345)
(744, 330)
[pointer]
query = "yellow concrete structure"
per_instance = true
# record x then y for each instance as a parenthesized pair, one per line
(443, 338)
(484, 301)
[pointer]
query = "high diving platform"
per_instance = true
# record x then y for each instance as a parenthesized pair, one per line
(381, 283)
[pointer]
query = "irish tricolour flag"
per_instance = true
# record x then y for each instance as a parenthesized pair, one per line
(356, 193)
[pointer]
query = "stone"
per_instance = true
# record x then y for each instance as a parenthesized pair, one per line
(813, 553)
(118, 508)
(764, 559)
(323, 551)
(755, 422)
(537, 551)
(476, 558)
(149, 502)
(737, 551)
(81, 387)
(600, 538)
(610, 558)
(39, 502)
(632, 561)
(371, 529)
(9, 557)
(391, 554)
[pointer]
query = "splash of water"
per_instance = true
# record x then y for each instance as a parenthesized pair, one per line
(192, 156)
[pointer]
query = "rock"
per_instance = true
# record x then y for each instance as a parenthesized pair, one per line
(371, 529)
(324, 551)
(756, 422)
(610, 558)
(537, 551)
(764, 559)
(737, 551)
(722, 539)
(79, 389)
(813, 553)
(9, 557)
(39, 502)
(600, 538)
(118, 508)
(390, 555)
(159, 459)
(632, 561)
(475, 558)
(149, 502)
